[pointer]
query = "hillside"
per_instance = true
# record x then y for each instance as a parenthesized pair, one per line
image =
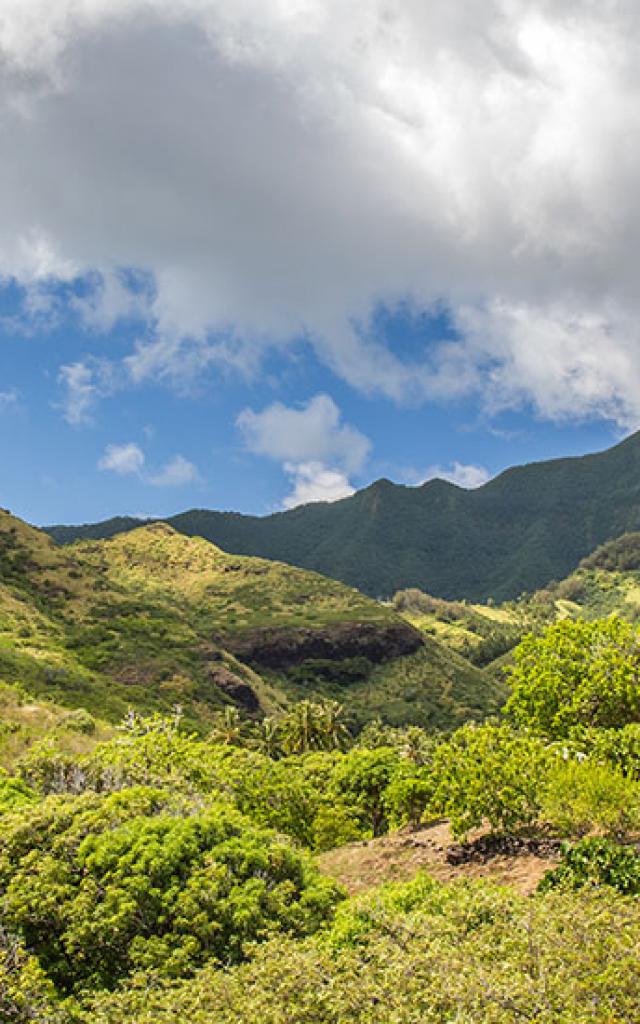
(529, 525)
(151, 619)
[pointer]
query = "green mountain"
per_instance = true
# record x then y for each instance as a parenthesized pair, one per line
(151, 619)
(529, 525)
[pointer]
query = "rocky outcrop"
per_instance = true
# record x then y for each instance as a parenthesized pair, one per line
(282, 647)
(235, 688)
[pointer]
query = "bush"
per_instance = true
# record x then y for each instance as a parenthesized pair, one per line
(595, 862)
(619, 747)
(582, 796)
(100, 886)
(13, 793)
(471, 953)
(489, 772)
(576, 674)
(26, 994)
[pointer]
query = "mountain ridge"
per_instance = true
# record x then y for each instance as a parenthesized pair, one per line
(528, 525)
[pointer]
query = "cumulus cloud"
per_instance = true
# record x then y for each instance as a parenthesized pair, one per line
(309, 433)
(467, 476)
(312, 481)
(177, 472)
(129, 460)
(277, 170)
(123, 459)
(316, 450)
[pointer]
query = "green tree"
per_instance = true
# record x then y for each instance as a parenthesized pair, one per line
(576, 674)
(361, 779)
(99, 886)
(491, 773)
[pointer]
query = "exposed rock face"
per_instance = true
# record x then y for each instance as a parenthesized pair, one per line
(235, 688)
(283, 647)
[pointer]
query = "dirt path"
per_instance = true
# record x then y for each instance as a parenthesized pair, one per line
(398, 857)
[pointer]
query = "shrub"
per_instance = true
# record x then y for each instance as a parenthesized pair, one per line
(13, 793)
(576, 674)
(582, 796)
(489, 772)
(619, 747)
(99, 886)
(26, 994)
(471, 953)
(595, 862)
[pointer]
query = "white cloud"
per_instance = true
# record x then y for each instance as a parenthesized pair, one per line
(310, 433)
(129, 460)
(316, 450)
(123, 459)
(8, 399)
(177, 472)
(278, 169)
(84, 383)
(467, 476)
(81, 392)
(312, 481)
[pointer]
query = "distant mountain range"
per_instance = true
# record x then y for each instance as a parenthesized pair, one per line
(531, 524)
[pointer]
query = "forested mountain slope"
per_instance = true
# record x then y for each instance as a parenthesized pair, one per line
(529, 525)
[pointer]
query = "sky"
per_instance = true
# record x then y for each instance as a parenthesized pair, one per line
(255, 253)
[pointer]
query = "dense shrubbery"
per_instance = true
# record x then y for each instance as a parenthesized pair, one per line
(480, 775)
(580, 796)
(596, 862)
(162, 876)
(140, 879)
(463, 953)
(577, 674)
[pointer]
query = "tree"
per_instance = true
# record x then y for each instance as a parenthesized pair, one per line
(576, 674)
(361, 780)
(228, 727)
(489, 772)
(100, 886)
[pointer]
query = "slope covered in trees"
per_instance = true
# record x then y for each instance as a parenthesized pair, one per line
(529, 525)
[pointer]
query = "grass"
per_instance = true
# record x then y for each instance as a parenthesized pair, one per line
(144, 620)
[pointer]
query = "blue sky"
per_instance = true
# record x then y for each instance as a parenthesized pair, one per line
(51, 467)
(254, 254)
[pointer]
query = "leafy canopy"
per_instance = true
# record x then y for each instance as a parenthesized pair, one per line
(576, 674)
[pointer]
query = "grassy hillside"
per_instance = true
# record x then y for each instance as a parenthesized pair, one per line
(531, 524)
(605, 583)
(151, 618)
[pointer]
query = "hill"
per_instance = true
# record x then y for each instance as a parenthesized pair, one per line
(151, 619)
(529, 525)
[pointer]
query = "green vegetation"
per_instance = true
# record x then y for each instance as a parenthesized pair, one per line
(596, 862)
(529, 525)
(187, 736)
(152, 619)
(577, 674)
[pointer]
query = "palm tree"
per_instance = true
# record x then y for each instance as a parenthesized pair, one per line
(228, 727)
(302, 727)
(335, 732)
(267, 735)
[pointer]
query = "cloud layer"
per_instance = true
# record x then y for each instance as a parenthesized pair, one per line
(275, 171)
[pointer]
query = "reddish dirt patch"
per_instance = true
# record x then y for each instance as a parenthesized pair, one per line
(398, 857)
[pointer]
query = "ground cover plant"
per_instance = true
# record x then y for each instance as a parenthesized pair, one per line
(164, 864)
